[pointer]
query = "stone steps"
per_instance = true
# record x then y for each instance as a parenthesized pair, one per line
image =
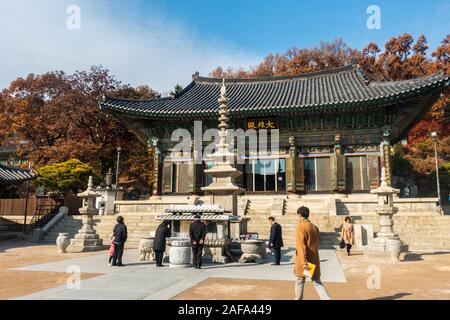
(425, 232)
(419, 232)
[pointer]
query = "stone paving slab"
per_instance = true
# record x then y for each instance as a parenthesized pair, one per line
(142, 280)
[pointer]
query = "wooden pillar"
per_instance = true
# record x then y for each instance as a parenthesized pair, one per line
(290, 166)
(153, 148)
(339, 174)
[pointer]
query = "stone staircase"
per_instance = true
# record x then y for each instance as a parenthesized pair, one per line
(330, 235)
(420, 231)
(426, 232)
(259, 205)
(68, 224)
(138, 225)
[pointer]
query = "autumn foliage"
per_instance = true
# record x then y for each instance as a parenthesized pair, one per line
(58, 117)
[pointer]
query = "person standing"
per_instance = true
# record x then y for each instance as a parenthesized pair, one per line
(159, 243)
(307, 251)
(120, 237)
(275, 240)
(111, 251)
(348, 234)
(197, 232)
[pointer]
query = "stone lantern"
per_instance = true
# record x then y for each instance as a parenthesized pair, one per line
(387, 244)
(87, 239)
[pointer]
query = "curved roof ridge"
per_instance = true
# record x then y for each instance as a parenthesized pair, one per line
(439, 74)
(136, 100)
(340, 89)
(350, 67)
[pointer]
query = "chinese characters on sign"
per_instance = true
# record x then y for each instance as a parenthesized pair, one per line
(262, 124)
(387, 163)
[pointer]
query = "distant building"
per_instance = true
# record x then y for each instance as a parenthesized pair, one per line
(10, 175)
(9, 157)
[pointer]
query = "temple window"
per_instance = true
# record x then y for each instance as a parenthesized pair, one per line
(265, 175)
(357, 177)
(317, 173)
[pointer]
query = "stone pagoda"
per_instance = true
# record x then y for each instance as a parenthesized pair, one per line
(387, 244)
(223, 190)
(87, 239)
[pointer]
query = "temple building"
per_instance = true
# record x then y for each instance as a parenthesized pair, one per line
(335, 129)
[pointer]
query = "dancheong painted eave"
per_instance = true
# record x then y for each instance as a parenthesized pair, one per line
(335, 90)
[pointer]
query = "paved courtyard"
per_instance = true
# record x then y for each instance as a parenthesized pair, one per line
(142, 280)
(38, 272)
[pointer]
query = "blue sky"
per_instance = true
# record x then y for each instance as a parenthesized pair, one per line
(265, 26)
(161, 43)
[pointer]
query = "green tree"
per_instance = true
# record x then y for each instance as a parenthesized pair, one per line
(65, 177)
(400, 165)
(176, 90)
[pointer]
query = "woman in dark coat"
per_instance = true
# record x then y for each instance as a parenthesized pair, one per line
(159, 243)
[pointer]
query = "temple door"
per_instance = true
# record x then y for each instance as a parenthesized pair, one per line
(373, 171)
(185, 177)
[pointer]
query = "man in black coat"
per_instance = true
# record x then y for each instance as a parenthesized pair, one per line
(276, 240)
(120, 237)
(159, 243)
(197, 232)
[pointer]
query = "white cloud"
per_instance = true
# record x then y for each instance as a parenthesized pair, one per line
(156, 52)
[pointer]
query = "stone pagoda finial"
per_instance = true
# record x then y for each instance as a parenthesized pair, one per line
(223, 115)
(223, 169)
(384, 188)
(223, 90)
(383, 177)
(90, 183)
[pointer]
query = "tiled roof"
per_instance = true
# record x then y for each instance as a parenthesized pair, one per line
(213, 209)
(332, 90)
(191, 217)
(10, 175)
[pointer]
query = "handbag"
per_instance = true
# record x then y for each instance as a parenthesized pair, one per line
(342, 244)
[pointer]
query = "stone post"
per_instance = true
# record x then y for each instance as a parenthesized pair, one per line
(87, 239)
(387, 244)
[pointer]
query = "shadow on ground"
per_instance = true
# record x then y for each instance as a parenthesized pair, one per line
(393, 297)
(20, 241)
(412, 256)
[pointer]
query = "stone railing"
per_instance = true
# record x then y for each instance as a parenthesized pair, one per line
(39, 233)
